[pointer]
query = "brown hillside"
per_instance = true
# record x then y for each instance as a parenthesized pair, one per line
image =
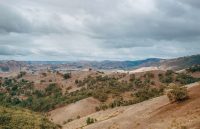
(156, 113)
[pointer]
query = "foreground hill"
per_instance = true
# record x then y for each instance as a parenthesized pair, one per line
(156, 113)
(18, 118)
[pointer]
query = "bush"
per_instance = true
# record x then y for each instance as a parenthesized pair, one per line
(67, 75)
(90, 120)
(149, 75)
(21, 74)
(177, 93)
(132, 77)
(169, 72)
(44, 74)
(76, 81)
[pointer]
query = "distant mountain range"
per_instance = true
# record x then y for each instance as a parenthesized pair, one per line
(175, 64)
(117, 64)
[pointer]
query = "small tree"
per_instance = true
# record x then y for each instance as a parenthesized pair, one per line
(177, 93)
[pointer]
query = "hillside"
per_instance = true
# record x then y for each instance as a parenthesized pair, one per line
(179, 63)
(11, 65)
(156, 113)
(74, 111)
(18, 118)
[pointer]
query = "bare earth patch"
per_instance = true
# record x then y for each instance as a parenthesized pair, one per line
(72, 111)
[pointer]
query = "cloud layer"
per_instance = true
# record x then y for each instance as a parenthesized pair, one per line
(98, 29)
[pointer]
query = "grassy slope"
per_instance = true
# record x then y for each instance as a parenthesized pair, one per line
(18, 118)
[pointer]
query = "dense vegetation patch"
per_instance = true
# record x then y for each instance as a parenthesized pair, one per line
(140, 95)
(185, 79)
(195, 68)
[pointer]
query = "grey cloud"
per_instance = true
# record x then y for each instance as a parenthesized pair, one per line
(100, 29)
(192, 3)
(160, 24)
(12, 21)
(12, 51)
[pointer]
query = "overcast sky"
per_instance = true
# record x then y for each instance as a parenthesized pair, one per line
(98, 29)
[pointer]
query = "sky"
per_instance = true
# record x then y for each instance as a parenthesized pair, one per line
(71, 30)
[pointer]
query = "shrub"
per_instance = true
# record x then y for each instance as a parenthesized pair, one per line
(76, 81)
(132, 77)
(168, 79)
(138, 83)
(149, 75)
(44, 74)
(90, 120)
(69, 120)
(177, 93)
(21, 74)
(152, 82)
(97, 108)
(169, 72)
(67, 75)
